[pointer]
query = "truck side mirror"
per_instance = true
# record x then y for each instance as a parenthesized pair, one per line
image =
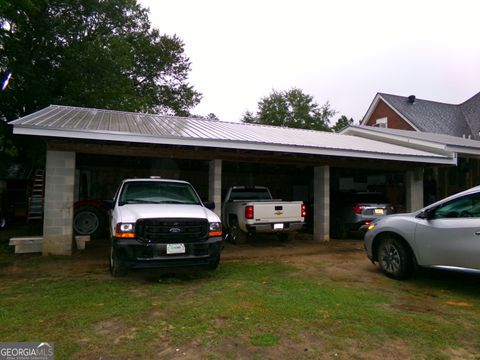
(209, 205)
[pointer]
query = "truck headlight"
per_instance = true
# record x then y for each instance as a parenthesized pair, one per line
(215, 229)
(125, 230)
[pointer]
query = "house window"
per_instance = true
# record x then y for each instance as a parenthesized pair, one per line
(382, 122)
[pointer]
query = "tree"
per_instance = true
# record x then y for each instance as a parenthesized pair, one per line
(291, 108)
(342, 123)
(91, 53)
(210, 116)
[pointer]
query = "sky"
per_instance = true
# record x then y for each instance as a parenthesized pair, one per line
(340, 51)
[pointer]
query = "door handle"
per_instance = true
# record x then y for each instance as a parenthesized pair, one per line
(477, 232)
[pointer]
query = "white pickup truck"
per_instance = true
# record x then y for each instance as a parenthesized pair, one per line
(250, 210)
(159, 223)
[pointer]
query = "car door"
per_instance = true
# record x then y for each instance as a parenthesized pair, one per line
(450, 236)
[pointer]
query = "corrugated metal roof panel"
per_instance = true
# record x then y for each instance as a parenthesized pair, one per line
(109, 125)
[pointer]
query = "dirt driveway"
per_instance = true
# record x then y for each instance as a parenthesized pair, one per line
(342, 259)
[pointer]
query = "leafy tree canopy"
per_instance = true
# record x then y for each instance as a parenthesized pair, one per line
(342, 123)
(291, 108)
(91, 53)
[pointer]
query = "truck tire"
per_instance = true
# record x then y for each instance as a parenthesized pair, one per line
(286, 236)
(88, 220)
(115, 266)
(3, 222)
(236, 235)
(214, 263)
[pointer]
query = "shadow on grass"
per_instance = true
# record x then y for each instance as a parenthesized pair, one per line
(465, 283)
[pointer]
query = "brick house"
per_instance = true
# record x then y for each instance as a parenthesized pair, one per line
(410, 113)
(409, 120)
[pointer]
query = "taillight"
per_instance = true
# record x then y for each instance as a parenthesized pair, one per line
(249, 212)
(358, 208)
(303, 212)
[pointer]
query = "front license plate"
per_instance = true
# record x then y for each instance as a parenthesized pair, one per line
(175, 248)
(378, 211)
(277, 226)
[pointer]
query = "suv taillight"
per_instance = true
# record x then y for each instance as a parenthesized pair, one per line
(249, 212)
(358, 208)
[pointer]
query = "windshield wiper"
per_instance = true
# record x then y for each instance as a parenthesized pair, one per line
(140, 201)
(177, 202)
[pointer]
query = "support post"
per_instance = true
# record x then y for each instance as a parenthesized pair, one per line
(414, 189)
(215, 185)
(58, 203)
(321, 203)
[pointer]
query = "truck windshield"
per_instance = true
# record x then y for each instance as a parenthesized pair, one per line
(250, 194)
(156, 192)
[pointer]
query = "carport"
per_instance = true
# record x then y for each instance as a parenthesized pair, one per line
(71, 132)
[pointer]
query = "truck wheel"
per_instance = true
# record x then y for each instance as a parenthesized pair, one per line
(214, 263)
(236, 235)
(286, 236)
(116, 268)
(88, 220)
(339, 230)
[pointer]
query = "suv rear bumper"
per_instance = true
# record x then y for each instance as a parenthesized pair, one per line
(134, 254)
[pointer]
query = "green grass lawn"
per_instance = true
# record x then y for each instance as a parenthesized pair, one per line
(245, 309)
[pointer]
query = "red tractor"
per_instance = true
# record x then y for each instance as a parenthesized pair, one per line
(89, 218)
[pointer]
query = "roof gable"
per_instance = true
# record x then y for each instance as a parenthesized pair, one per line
(471, 111)
(431, 116)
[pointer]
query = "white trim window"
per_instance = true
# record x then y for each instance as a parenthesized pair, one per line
(382, 122)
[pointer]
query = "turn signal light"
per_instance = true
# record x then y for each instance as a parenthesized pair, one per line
(124, 235)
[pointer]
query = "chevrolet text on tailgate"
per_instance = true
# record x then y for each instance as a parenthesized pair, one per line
(250, 210)
(159, 223)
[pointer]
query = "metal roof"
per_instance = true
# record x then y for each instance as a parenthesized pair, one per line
(109, 125)
(422, 140)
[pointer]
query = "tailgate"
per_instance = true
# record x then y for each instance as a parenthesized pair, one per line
(272, 212)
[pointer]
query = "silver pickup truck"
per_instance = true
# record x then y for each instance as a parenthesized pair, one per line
(250, 210)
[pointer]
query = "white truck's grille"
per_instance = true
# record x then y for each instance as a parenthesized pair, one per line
(172, 230)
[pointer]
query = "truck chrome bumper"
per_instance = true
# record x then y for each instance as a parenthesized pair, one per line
(135, 254)
(270, 228)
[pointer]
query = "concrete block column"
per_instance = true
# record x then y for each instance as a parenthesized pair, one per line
(321, 203)
(215, 185)
(414, 189)
(58, 203)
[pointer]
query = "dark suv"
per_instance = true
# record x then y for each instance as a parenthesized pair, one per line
(352, 211)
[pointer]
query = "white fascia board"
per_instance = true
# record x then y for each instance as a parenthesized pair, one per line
(425, 145)
(230, 144)
(461, 150)
(370, 110)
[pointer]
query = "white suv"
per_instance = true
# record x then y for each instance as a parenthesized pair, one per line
(159, 223)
